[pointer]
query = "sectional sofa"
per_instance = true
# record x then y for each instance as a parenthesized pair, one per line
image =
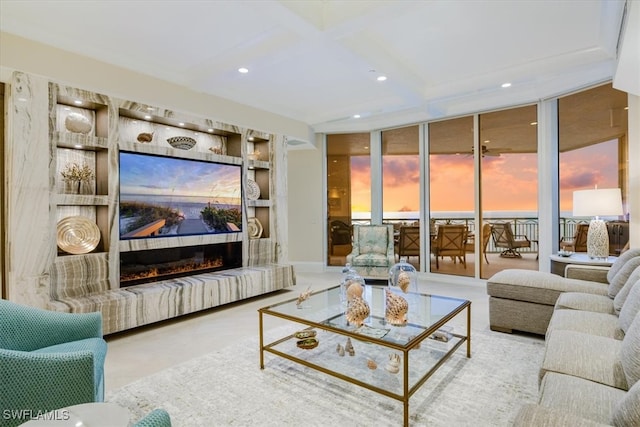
(590, 371)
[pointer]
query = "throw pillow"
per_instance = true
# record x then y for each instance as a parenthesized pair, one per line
(627, 411)
(621, 261)
(631, 307)
(622, 276)
(621, 296)
(630, 352)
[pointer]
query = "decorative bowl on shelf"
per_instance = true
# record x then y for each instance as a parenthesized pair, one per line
(77, 235)
(182, 142)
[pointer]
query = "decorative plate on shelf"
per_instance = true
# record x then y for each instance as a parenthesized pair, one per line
(255, 228)
(77, 235)
(182, 142)
(253, 190)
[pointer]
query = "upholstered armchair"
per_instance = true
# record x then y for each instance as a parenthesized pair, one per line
(156, 418)
(373, 250)
(48, 360)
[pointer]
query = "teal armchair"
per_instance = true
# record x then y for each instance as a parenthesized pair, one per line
(373, 251)
(156, 418)
(48, 360)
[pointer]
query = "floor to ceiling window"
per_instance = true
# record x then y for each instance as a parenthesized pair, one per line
(401, 189)
(483, 180)
(348, 191)
(451, 196)
(509, 184)
(593, 154)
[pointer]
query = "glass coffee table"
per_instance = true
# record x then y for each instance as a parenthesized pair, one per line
(390, 360)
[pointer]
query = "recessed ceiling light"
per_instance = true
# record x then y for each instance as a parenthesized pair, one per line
(381, 78)
(78, 146)
(506, 84)
(148, 117)
(65, 108)
(77, 102)
(356, 116)
(209, 130)
(243, 70)
(626, 108)
(180, 124)
(533, 123)
(486, 141)
(250, 138)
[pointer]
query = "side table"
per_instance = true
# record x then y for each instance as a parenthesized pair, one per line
(558, 263)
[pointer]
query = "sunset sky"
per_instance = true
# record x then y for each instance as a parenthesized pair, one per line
(509, 181)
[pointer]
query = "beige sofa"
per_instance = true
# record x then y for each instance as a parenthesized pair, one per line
(524, 300)
(590, 372)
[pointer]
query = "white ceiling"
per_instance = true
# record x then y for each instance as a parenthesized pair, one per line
(317, 61)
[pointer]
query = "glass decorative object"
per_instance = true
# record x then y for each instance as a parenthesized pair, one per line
(352, 285)
(403, 276)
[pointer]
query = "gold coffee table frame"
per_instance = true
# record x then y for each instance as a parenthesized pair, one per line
(323, 310)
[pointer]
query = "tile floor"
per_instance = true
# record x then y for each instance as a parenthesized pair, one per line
(143, 351)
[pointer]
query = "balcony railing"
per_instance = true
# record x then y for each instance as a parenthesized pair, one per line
(527, 226)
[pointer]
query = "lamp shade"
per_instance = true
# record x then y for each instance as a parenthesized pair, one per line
(598, 202)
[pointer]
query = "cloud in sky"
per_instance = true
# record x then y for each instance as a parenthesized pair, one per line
(509, 182)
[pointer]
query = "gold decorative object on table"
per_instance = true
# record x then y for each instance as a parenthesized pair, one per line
(145, 137)
(77, 235)
(303, 296)
(75, 175)
(348, 347)
(305, 334)
(393, 365)
(396, 309)
(308, 343)
(357, 311)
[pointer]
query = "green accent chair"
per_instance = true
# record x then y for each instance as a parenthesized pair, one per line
(48, 360)
(156, 418)
(373, 251)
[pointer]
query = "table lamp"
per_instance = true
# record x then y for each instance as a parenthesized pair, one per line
(596, 203)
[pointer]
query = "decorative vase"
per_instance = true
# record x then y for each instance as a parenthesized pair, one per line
(403, 276)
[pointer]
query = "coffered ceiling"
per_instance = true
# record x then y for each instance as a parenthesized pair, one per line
(318, 61)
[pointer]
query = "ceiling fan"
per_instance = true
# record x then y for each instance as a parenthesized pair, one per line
(491, 152)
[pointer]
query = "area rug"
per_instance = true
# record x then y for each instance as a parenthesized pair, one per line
(227, 388)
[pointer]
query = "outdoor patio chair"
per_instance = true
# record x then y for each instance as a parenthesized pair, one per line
(579, 241)
(486, 235)
(504, 238)
(409, 242)
(450, 241)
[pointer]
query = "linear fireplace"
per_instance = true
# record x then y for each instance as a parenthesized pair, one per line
(153, 265)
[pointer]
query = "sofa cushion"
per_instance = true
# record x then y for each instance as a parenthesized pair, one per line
(621, 296)
(531, 415)
(537, 286)
(591, 357)
(585, 302)
(581, 397)
(627, 412)
(631, 307)
(630, 352)
(620, 279)
(601, 324)
(621, 261)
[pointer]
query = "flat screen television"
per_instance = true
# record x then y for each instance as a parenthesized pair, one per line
(164, 196)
